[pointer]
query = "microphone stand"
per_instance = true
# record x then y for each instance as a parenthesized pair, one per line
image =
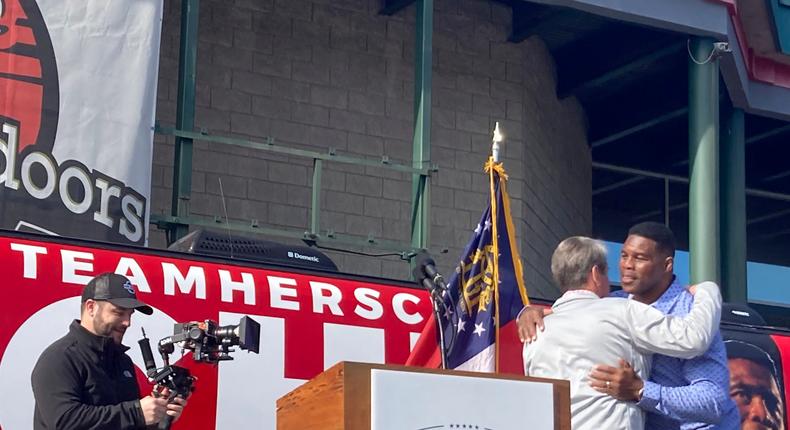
(436, 298)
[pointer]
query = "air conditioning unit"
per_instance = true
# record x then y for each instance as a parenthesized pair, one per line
(222, 244)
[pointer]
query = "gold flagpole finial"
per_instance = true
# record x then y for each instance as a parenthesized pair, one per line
(498, 138)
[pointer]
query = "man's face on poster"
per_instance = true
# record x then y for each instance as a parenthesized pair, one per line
(755, 391)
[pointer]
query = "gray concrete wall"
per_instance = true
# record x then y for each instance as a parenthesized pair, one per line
(326, 74)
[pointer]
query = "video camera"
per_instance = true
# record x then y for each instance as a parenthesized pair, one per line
(209, 343)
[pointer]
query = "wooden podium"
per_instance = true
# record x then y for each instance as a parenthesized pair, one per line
(340, 397)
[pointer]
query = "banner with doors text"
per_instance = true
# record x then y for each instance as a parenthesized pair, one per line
(77, 98)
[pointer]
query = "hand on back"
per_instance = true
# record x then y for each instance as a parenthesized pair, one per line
(530, 321)
(621, 382)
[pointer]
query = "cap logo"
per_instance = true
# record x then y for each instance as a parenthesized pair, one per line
(128, 287)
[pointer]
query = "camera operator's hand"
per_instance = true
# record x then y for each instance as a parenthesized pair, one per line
(154, 409)
(176, 406)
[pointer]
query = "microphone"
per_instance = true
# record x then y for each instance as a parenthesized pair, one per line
(428, 267)
(421, 279)
(428, 285)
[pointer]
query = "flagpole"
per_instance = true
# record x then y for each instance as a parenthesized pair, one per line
(495, 145)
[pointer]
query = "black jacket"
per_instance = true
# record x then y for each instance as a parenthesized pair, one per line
(84, 381)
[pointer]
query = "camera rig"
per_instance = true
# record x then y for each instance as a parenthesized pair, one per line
(209, 343)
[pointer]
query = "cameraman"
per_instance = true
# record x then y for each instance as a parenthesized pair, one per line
(85, 380)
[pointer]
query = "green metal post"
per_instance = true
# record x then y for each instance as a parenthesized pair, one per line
(733, 204)
(185, 115)
(703, 162)
(315, 209)
(421, 155)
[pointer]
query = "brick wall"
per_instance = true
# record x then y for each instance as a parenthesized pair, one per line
(335, 74)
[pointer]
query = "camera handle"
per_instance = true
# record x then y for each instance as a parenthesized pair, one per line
(167, 421)
(177, 379)
(148, 356)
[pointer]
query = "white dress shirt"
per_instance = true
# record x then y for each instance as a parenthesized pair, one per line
(585, 330)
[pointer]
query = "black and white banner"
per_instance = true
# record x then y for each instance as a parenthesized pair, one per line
(77, 97)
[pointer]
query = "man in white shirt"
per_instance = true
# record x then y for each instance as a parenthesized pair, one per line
(585, 329)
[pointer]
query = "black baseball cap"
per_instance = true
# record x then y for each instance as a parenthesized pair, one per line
(116, 289)
(751, 352)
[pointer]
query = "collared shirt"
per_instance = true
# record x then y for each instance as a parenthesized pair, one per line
(584, 330)
(688, 394)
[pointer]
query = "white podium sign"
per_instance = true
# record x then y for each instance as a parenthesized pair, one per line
(419, 401)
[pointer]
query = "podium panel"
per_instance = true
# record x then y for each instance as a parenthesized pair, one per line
(361, 396)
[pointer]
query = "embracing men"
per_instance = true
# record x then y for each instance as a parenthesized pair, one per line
(608, 344)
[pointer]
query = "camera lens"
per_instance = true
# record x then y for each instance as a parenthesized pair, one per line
(227, 332)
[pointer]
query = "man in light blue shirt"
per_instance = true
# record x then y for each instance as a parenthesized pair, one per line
(680, 394)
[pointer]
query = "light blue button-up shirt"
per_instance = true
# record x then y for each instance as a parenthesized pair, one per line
(688, 394)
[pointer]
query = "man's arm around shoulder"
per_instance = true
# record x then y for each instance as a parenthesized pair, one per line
(682, 337)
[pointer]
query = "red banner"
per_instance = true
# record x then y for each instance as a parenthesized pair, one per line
(308, 322)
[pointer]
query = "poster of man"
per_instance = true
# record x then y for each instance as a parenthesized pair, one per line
(755, 380)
